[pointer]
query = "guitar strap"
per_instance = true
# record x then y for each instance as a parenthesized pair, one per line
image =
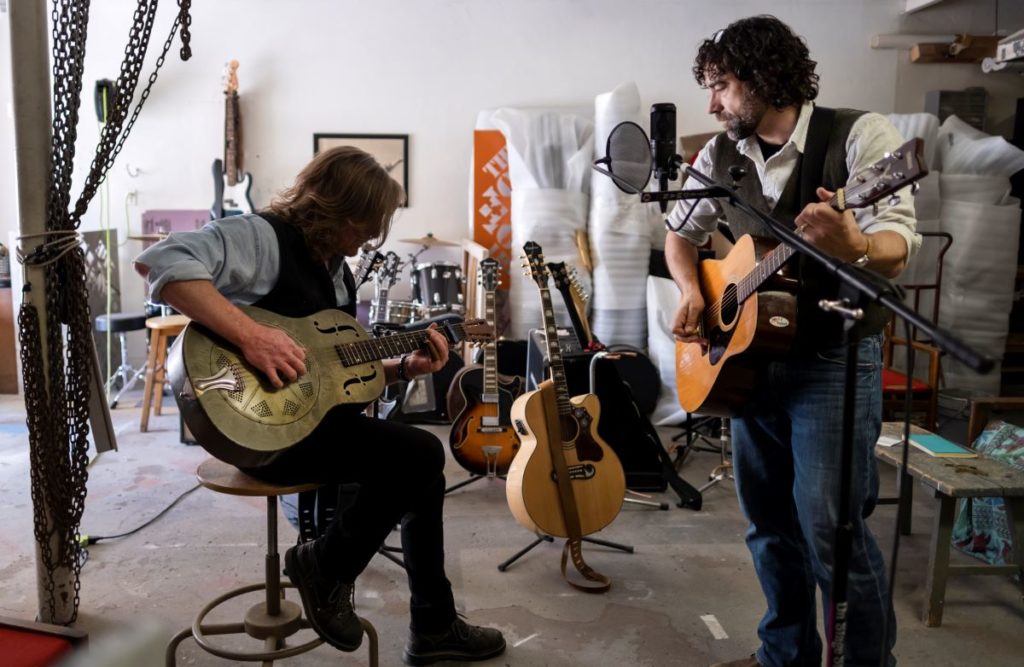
(592, 581)
(812, 165)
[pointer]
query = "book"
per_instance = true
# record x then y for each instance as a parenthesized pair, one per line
(936, 445)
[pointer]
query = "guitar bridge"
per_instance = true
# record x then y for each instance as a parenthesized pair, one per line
(223, 380)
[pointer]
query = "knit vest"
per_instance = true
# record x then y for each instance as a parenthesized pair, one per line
(303, 284)
(816, 329)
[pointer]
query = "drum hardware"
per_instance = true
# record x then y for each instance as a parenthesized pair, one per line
(430, 241)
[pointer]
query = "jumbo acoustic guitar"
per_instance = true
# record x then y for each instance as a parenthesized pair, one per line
(740, 324)
(598, 482)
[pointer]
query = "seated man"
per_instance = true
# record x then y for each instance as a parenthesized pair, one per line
(289, 259)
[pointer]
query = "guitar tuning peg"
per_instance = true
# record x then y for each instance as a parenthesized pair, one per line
(914, 187)
(894, 200)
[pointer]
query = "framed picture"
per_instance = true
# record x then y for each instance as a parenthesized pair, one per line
(391, 150)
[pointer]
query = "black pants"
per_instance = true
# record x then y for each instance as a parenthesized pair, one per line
(400, 473)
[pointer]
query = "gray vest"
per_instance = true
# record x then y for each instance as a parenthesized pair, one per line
(815, 329)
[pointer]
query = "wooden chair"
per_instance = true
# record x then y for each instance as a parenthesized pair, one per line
(274, 619)
(924, 391)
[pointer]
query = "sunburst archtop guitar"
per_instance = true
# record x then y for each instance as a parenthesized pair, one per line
(739, 323)
(239, 417)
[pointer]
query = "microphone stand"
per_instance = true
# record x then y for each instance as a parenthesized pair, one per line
(859, 288)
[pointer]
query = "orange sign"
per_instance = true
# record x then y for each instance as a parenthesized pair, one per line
(492, 198)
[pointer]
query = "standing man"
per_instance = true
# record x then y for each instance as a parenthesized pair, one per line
(787, 438)
(289, 259)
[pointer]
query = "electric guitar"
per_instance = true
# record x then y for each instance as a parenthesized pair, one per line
(740, 324)
(370, 262)
(482, 438)
(231, 185)
(598, 481)
(575, 299)
(239, 417)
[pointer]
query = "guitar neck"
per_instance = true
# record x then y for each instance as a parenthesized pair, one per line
(374, 349)
(231, 149)
(490, 388)
(770, 264)
(554, 354)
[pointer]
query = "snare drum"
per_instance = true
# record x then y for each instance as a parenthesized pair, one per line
(437, 287)
(396, 312)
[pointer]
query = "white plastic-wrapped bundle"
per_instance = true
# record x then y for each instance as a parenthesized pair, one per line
(620, 235)
(966, 150)
(977, 287)
(662, 300)
(923, 126)
(550, 155)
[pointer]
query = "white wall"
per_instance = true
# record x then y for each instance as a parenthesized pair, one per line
(426, 68)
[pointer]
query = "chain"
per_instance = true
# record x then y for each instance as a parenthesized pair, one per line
(57, 404)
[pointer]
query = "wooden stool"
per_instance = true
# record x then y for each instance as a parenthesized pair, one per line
(161, 328)
(274, 619)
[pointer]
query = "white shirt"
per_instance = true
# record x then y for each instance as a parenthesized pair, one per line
(871, 136)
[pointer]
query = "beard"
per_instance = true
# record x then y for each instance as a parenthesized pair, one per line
(744, 123)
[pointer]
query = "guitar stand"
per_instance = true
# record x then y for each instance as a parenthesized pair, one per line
(472, 478)
(504, 565)
(491, 455)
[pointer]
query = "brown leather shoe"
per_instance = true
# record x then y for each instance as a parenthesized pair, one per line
(750, 661)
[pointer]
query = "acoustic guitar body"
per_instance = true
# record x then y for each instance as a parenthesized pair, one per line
(482, 439)
(598, 481)
(717, 379)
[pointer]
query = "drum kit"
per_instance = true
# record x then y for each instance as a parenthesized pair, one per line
(437, 287)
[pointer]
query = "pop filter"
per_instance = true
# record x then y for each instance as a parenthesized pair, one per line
(627, 158)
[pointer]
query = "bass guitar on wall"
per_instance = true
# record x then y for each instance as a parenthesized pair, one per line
(482, 438)
(231, 185)
(739, 323)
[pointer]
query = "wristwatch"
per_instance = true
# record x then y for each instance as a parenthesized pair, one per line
(863, 260)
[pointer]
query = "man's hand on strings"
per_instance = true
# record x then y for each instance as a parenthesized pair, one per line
(274, 352)
(431, 357)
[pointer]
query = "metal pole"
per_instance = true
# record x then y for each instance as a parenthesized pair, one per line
(30, 65)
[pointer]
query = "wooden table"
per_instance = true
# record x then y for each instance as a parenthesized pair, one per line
(951, 479)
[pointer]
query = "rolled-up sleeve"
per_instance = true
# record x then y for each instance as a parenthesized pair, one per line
(871, 137)
(704, 214)
(239, 255)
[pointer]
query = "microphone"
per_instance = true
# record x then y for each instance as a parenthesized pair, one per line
(663, 146)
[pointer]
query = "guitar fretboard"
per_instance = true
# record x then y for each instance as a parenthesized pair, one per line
(373, 349)
(554, 353)
(490, 388)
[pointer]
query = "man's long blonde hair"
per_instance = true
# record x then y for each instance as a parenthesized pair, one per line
(341, 187)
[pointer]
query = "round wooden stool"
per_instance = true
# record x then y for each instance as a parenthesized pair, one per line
(274, 619)
(162, 328)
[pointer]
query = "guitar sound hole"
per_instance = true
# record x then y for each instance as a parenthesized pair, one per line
(730, 305)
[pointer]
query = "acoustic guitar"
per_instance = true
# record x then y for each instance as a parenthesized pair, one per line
(231, 185)
(740, 324)
(239, 417)
(482, 439)
(598, 482)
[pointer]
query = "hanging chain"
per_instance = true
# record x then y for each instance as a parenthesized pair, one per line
(57, 405)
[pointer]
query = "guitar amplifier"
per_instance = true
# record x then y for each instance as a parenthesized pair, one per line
(622, 423)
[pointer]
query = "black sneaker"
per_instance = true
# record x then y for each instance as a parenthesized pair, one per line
(327, 603)
(462, 641)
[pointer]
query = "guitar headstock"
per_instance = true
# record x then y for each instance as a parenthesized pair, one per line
(896, 170)
(477, 331)
(231, 78)
(566, 279)
(369, 262)
(535, 263)
(489, 274)
(387, 275)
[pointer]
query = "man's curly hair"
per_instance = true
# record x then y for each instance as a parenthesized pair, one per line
(763, 52)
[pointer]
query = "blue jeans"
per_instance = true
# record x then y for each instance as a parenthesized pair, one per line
(786, 454)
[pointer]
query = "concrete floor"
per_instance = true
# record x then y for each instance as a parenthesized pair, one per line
(140, 589)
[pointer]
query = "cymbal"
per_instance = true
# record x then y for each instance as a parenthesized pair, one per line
(429, 240)
(147, 237)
